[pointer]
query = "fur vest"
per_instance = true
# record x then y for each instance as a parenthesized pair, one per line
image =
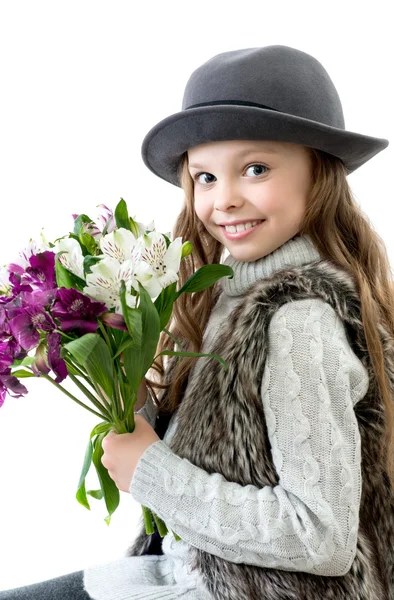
(243, 344)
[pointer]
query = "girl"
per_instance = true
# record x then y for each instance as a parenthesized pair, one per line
(277, 473)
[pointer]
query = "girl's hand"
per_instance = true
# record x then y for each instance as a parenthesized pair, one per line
(123, 451)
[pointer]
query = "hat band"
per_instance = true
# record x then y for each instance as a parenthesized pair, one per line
(239, 102)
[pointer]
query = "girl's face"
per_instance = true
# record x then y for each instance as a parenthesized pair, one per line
(251, 180)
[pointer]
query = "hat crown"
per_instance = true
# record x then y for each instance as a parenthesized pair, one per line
(276, 77)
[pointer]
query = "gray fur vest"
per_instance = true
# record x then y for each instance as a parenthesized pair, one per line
(243, 344)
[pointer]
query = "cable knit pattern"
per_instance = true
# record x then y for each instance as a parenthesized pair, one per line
(308, 522)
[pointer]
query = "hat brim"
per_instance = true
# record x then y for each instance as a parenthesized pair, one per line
(165, 143)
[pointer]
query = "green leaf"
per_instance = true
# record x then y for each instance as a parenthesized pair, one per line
(79, 221)
(103, 427)
(93, 354)
(123, 346)
(84, 250)
(65, 278)
(174, 353)
(108, 487)
(70, 367)
(168, 241)
(204, 277)
(164, 304)
(98, 494)
(121, 215)
(89, 261)
(144, 327)
(81, 491)
(26, 362)
(21, 373)
(88, 241)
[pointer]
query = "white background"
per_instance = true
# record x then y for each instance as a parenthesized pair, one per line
(81, 83)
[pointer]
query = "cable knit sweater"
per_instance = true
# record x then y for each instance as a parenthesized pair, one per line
(311, 382)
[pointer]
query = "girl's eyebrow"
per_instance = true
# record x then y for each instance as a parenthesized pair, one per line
(240, 155)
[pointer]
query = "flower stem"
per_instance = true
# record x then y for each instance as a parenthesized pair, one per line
(161, 526)
(103, 398)
(64, 334)
(149, 527)
(89, 395)
(116, 398)
(72, 397)
(105, 335)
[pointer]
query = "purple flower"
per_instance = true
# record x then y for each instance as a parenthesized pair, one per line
(106, 216)
(24, 325)
(77, 313)
(8, 344)
(47, 357)
(41, 272)
(10, 382)
(114, 320)
(56, 363)
(7, 381)
(17, 286)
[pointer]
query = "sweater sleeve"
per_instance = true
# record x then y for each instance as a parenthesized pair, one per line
(309, 521)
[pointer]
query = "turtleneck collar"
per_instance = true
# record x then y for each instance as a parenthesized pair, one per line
(295, 252)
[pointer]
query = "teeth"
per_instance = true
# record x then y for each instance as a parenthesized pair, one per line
(240, 227)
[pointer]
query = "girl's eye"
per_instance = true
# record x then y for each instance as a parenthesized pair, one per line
(258, 165)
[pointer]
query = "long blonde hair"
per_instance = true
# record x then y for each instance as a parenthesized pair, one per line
(339, 230)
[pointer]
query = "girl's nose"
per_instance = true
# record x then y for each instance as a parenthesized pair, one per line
(226, 194)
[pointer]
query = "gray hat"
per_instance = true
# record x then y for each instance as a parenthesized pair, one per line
(274, 93)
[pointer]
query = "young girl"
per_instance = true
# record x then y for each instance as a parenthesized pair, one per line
(277, 473)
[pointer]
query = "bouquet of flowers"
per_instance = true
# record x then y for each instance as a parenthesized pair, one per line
(91, 307)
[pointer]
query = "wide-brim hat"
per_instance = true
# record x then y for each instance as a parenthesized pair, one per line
(273, 93)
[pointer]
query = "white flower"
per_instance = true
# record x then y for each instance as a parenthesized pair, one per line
(158, 266)
(5, 284)
(106, 215)
(120, 245)
(103, 283)
(72, 260)
(31, 249)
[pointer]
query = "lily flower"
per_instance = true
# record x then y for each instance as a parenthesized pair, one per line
(24, 326)
(47, 357)
(106, 216)
(114, 320)
(23, 259)
(104, 281)
(72, 259)
(158, 266)
(76, 312)
(5, 283)
(41, 271)
(9, 383)
(120, 244)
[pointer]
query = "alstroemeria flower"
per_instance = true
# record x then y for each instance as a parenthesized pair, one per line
(24, 326)
(103, 283)
(103, 218)
(114, 320)
(158, 266)
(121, 245)
(72, 259)
(92, 229)
(23, 259)
(9, 383)
(47, 357)
(56, 363)
(5, 284)
(41, 271)
(76, 312)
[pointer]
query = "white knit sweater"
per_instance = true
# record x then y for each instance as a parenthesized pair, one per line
(311, 382)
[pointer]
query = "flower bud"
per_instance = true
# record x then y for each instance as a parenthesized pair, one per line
(187, 248)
